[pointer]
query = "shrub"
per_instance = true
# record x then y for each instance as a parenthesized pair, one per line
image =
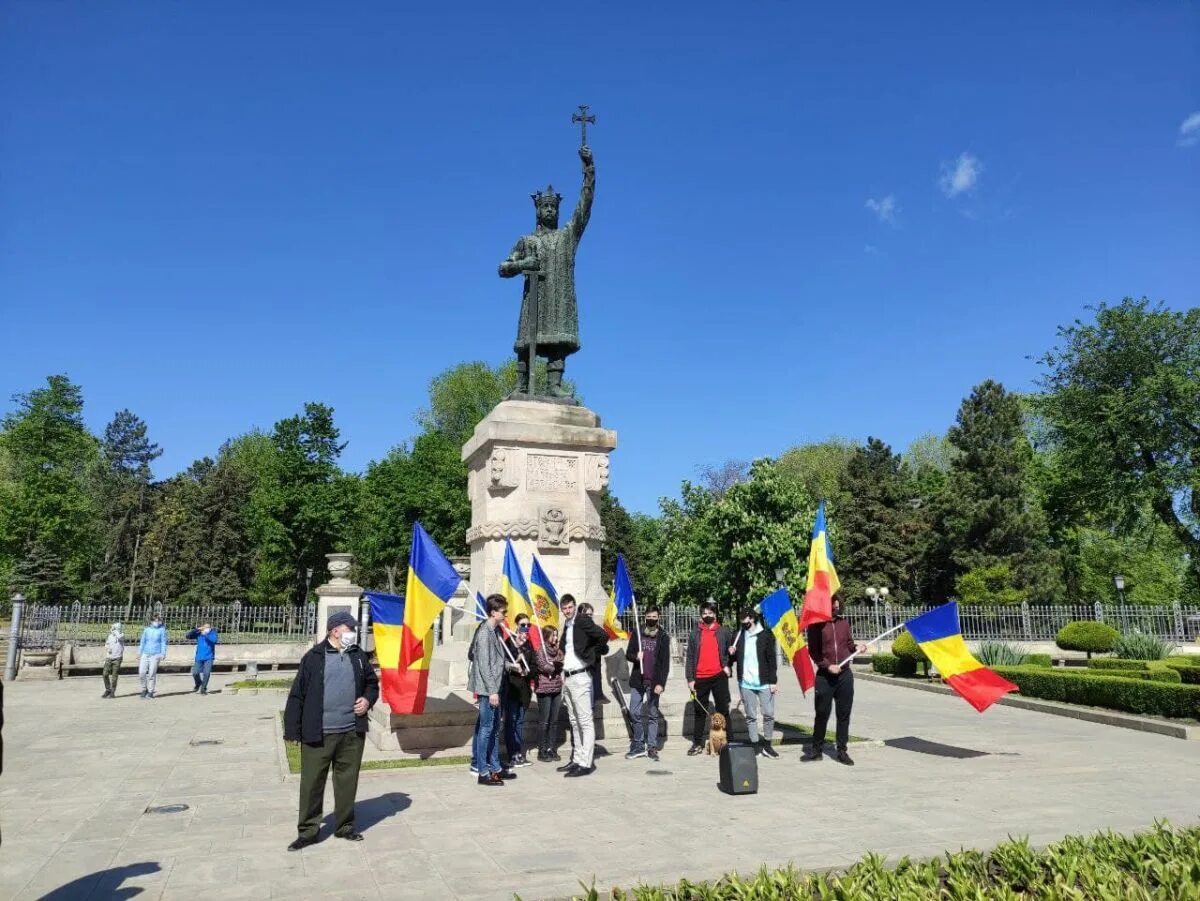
(1117, 663)
(1140, 646)
(1037, 660)
(1156, 674)
(999, 653)
(1189, 674)
(1111, 691)
(1158, 863)
(906, 646)
(1088, 636)
(884, 663)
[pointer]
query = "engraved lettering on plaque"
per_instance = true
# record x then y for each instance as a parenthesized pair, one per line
(548, 472)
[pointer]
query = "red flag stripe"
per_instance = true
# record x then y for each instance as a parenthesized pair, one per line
(981, 688)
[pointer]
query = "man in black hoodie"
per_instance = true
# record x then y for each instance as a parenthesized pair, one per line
(326, 712)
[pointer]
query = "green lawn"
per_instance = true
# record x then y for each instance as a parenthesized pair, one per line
(280, 684)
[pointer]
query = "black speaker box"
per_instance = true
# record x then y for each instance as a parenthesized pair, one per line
(739, 769)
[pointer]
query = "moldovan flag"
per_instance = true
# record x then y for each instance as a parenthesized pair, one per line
(480, 606)
(823, 582)
(513, 587)
(938, 635)
(432, 581)
(780, 617)
(612, 625)
(543, 597)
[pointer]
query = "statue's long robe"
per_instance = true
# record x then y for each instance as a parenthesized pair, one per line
(558, 313)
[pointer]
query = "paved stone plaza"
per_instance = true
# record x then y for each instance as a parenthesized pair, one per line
(80, 772)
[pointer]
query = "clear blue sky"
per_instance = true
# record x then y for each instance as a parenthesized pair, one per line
(212, 212)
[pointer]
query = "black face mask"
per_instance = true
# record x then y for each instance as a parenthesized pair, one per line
(747, 626)
(708, 618)
(651, 624)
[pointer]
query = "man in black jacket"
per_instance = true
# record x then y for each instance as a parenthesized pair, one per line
(326, 712)
(754, 650)
(649, 655)
(584, 644)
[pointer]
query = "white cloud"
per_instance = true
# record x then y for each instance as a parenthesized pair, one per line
(961, 175)
(885, 208)
(1189, 131)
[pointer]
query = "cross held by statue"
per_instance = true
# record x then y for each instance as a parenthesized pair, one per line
(584, 120)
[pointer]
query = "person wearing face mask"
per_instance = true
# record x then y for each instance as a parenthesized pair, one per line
(152, 648)
(830, 643)
(517, 691)
(549, 660)
(755, 652)
(326, 712)
(206, 639)
(707, 671)
(114, 650)
(649, 657)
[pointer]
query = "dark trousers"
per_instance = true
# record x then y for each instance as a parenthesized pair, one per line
(711, 694)
(832, 690)
(548, 713)
(343, 752)
(514, 724)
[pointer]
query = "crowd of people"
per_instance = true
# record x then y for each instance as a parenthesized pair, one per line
(507, 669)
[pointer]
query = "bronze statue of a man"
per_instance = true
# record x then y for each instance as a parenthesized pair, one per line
(549, 255)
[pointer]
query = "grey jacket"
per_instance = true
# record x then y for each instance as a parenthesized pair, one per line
(487, 662)
(114, 646)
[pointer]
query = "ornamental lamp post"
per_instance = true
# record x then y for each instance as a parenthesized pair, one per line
(1119, 582)
(780, 575)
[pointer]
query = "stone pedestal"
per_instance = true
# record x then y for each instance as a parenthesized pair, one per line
(339, 593)
(536, 471)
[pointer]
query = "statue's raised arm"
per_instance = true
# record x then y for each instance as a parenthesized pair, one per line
(583, 209)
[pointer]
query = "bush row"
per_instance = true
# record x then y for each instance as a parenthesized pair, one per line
(891, 665)
(1115, 692)
(1117, 663)
(1158, 863)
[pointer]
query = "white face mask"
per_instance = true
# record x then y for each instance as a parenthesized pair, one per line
(348, 639)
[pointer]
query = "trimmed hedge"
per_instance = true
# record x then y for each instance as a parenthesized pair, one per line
(1088, 636)
(891, 665)
(1037, 660)
(1157, 674)
(1117, 663)
(1189, 674)
(906, 646)
(1115, 692)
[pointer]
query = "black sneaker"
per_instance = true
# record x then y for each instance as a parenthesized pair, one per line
(695, 749)
(812, 753)
(144, 694)
(635, 753)
(301, 842)
(843, 757)
(765, 750)
(507, 774)
(580, 771)
(652, 754)
(569, 765)
(521, 760)
(554, 755)
(490, 779)
(107, 694)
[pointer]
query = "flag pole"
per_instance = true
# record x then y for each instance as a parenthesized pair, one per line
(875, 640)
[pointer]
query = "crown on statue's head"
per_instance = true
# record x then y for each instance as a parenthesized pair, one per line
(548, 194)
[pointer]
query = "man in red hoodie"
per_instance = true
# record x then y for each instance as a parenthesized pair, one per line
(707, 671)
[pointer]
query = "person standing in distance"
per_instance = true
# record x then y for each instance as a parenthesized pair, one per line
(326, 713)
(114, 650)
(755, 652)
(707, 671)
(829, 644)
(152, 648)
(584, 644)
(206, 639)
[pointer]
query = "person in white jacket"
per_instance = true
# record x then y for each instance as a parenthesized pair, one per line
(114, 650)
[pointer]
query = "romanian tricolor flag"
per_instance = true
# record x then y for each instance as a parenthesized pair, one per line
(780, 617)
(612, 625)
(823, 582)
(543, 596)
(513, 587)
(432, 581)
(938, 635)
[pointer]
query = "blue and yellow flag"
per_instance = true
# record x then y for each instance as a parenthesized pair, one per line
(780, 617)
(513, 587)
(543, 596)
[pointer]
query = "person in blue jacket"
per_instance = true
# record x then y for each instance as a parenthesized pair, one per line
(206, 651)
(152, 648)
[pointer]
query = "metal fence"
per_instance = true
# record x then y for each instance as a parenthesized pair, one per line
(47, 625)
(1019, 622)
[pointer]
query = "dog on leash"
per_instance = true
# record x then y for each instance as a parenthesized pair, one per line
(717, 738)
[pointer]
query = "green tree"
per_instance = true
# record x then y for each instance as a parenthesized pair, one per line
(1122, 402)
(637, 537)
(990, 514)
(877, 527)
(123, 490)
(48, 519)
(817, 468)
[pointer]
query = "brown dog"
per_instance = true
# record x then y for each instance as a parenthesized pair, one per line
(716, 735)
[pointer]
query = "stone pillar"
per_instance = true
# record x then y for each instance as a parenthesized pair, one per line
(339, 593)
(535, 474)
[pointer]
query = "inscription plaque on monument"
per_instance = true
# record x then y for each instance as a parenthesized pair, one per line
(551, 472)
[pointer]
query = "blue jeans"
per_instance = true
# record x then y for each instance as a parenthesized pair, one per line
(514, 723)
(201, 670)
(486, 747)
(643, 710)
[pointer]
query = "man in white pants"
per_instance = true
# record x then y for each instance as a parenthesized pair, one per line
(584, 643)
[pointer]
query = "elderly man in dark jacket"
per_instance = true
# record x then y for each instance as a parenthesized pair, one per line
(326, 712)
